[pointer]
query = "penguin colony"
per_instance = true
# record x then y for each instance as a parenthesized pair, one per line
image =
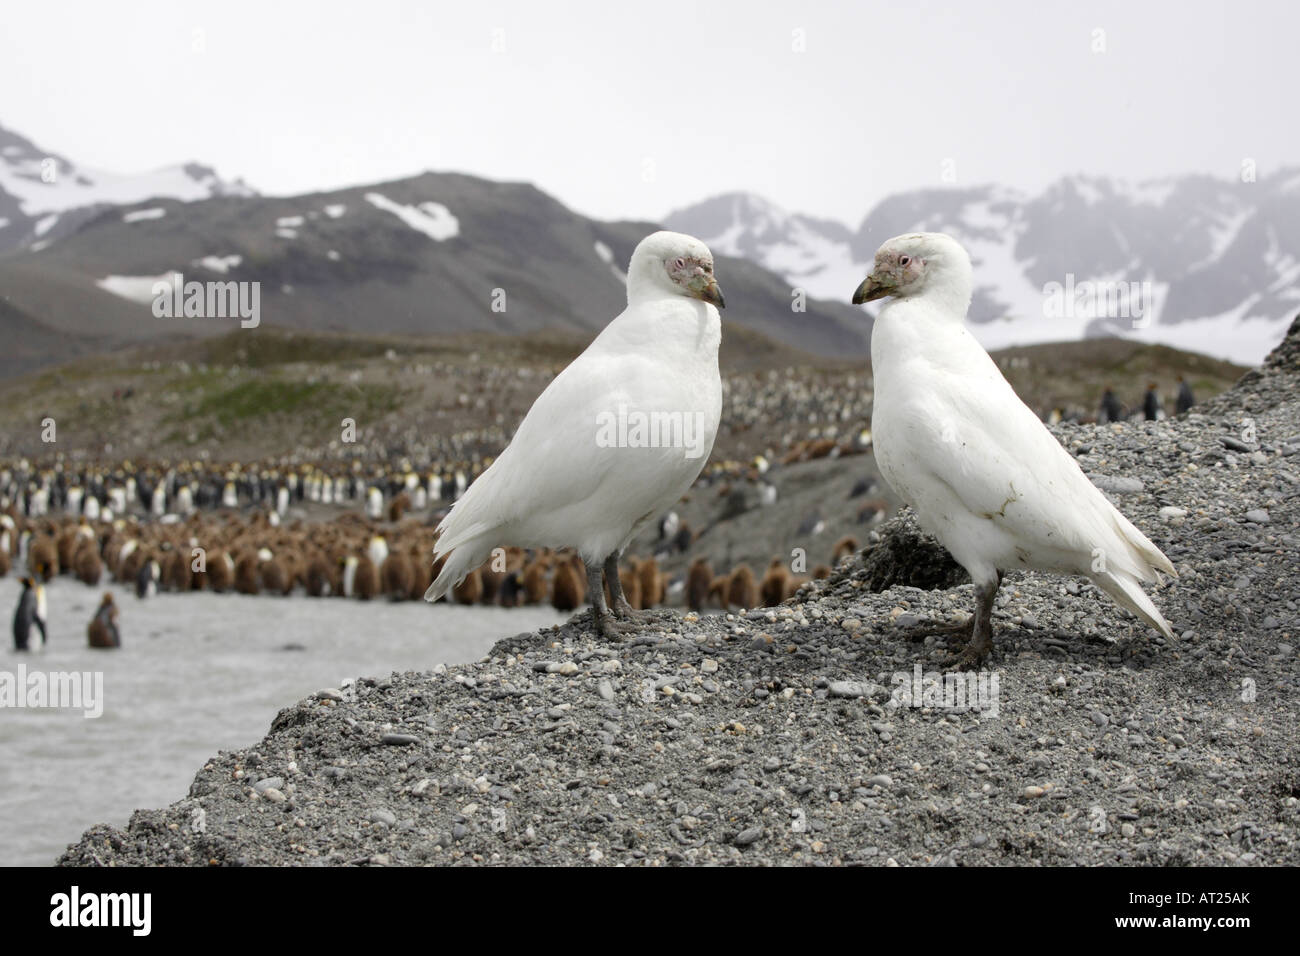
(353, 557)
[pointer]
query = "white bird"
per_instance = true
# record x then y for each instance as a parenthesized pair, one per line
(981, 471)
(615, 439)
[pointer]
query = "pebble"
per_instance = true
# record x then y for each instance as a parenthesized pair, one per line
(399, 740)
(1257, 516)
(748, 836)
(386, 817)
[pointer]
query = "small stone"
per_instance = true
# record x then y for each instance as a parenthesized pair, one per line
(386, 817)
(748, 836)
(269, 783)
(606, 690)
(1257, 516)
(849, 688)
(881, 780)
(274, 795)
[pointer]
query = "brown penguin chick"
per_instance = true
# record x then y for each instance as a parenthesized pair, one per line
(102, 631)
(365, 582)
(5, 562)
(395, 576)
(718, 589)
(821, 571)
(275, 576)
(246, 576)
(535, 582)
(793, 584)
(220, 571)
(566, 591)
(176, 573)
(742, 589)
(321, 580)
(86, 563)
(819, 448)
(421, 573)
(470, 590)
(491, 579)
(134, 556)
(43, 558)
(398, 507)
(776, 581)
(652, 584)
(684, 538)
(66, 544)
(630, 579)
(699, 581)
(845, 546)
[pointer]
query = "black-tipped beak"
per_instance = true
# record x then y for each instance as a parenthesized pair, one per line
(869, 291)
(711, 293)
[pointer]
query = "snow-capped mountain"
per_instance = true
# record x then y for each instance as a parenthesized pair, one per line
(44, 196)
(1195, 262)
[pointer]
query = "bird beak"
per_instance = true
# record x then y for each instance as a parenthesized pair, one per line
(872, 288)
(705, 287)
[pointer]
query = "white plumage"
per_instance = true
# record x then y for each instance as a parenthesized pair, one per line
(558, 484)
(983, 474)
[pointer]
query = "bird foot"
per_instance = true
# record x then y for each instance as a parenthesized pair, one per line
(919, 632)
(624, 611)
(612, 629)
(969, 657)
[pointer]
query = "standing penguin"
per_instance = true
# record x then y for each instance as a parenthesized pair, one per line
(1152, 408)
(102, 631)
(1185, 397)
(30, 610)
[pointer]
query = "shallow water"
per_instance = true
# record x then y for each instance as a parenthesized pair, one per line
(197, 673)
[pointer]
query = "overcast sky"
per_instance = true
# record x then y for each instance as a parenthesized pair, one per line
(629, 111)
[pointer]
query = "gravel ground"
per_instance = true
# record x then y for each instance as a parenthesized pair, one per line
(782, 736)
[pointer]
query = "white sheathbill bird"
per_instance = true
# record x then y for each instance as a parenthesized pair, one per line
(982, 473)
(616, 438)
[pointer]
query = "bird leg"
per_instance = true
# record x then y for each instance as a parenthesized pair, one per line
(623, 609)
(980, 644)
(608, 627)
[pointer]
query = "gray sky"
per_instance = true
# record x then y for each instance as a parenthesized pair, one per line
(630, 110)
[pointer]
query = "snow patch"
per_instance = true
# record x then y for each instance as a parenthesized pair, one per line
(134, 288)
(433, 219)
(335, 210)
(222, 264)
(289, 222)
(607, 256)
(142, 214)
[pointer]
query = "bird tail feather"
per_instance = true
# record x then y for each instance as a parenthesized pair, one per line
(460, 561)
(1126, 591)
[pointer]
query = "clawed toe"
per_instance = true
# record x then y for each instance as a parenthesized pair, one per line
(969, 657)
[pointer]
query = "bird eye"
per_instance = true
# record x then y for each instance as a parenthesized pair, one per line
(679, 263)
(905, 260)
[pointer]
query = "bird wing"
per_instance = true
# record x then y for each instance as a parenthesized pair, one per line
(971, 431)
(554, 459)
